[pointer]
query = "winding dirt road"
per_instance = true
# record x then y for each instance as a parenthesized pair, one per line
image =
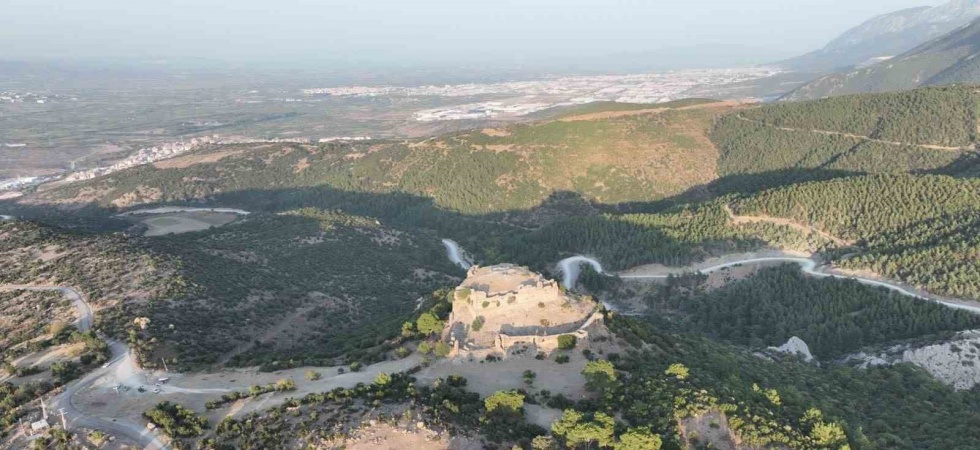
(120, 355)
(806, 229)
(810, 267)
(122, 370)
(857, 136)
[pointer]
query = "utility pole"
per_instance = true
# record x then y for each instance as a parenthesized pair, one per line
(44, 410)
(64, 423)
(165, 369)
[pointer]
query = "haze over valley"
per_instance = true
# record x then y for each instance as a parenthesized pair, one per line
(539, 225)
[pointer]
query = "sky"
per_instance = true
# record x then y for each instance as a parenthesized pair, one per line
(712, 33)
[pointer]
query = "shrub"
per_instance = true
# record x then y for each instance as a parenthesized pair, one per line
(567, 341)
(176, 421)
(529, 377)
(562, 359)
(425, 347)
(313, 375)
(599, 375)
(356, 366)
(442, 349)
(478, 323)
(678, 370)
(429, 324)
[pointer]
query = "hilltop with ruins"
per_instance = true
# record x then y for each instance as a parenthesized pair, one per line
(501, 307)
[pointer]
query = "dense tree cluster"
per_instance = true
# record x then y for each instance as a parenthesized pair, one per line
(176, 420)
(872, 407)
(834, 317)
(918, 228)
(789, 142)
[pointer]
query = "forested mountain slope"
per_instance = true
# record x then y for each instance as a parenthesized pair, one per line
(947, 59)
(924, 229)
(880, 133)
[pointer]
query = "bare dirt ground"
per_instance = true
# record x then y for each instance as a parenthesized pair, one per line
(486, 378)
(51, 355)
(389, 437)
(184, 222)
(806, 229)
(727, 275)
(181, 162)
(495, 132)
(195, 389)
(709, 429)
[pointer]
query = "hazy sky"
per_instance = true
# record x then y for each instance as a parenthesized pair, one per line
(699, 32)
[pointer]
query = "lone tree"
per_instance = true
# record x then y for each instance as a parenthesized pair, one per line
(567, 342)
(428, 324)
(599, 375)
(505, 402)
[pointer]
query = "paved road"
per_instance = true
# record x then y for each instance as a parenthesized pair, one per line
(118, 427)
(813, 268)
(123, 428)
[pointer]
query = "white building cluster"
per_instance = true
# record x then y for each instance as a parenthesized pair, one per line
(144, 156)
(30, 97)
(526, 97)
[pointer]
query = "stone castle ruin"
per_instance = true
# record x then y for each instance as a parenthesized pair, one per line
(503, 307)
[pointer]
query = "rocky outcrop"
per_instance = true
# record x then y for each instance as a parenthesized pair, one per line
(795, 346)
(954, 362)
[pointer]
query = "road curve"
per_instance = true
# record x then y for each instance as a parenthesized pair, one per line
(123, 428)
(119, 427)
(810, 267)
(84, 321)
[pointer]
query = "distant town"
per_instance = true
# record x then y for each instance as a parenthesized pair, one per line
(32, 97)
(157, 153)
(520, 98)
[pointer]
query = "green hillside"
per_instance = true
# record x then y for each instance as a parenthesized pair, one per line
(859, 134)
(622, 158)
(921, 229)
(945, 60)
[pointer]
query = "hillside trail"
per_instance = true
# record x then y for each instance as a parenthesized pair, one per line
(640, 112)
(807, 229)
(857, 136)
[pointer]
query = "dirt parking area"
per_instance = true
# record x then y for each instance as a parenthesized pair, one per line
(184, 222)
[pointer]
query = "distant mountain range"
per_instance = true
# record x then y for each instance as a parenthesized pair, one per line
(886, 36)
(946, 60)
